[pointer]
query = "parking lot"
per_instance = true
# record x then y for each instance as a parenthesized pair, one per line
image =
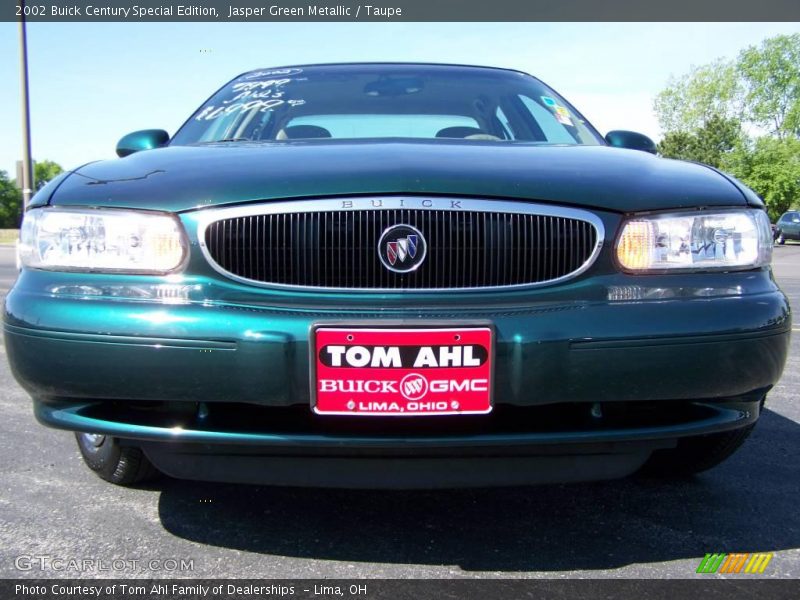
(52, 506)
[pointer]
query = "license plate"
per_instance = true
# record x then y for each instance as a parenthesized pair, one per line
(402, 372)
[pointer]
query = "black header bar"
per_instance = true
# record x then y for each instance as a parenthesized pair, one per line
(399, 10)
(708, 588)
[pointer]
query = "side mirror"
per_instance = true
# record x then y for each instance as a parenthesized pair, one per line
(146, 139)
(631, 140)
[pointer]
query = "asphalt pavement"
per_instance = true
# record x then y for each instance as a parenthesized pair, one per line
(53, 510)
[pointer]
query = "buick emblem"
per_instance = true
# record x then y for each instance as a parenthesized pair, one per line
(402, 248)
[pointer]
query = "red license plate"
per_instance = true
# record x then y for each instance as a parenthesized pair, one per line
(402, 372)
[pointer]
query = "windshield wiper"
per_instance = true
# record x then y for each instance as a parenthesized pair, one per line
(225, 140)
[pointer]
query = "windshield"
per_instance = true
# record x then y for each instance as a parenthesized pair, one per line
(387, 101)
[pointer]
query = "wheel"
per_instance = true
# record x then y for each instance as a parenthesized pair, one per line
(123, 465)
(695, 454)
(780, 239)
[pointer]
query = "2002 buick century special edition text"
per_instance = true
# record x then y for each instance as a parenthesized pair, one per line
(395, 275)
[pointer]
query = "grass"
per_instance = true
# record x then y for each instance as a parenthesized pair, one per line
(9, 236)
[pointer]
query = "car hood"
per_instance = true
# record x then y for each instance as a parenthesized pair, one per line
(179, 178)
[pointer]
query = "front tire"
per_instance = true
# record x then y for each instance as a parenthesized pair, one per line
(695, 454)
(121, 465)
(781, 240)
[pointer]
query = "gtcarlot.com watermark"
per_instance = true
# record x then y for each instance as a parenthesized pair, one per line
(65, 564)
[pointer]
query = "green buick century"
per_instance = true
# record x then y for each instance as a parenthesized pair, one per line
(395, 275)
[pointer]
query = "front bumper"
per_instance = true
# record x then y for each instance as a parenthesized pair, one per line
(572, 343)
(211, 386)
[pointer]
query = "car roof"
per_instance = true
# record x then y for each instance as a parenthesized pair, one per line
(347, 65)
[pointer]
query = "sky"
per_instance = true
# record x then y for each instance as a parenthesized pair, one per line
(91, 83)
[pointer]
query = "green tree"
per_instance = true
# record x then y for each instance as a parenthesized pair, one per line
(706, 92)
(45, 171)
(762, 88)
(770, 75)
(708, 144)
(678, 144)
(10, 203)
(771, 167)
(706, 114)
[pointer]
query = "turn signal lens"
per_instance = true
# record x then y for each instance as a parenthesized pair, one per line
(634, 246)
(696, 241)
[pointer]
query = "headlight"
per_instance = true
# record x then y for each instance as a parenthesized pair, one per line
(101, 240)
(696, 241)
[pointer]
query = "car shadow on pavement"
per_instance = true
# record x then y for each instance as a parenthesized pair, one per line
(747, 504)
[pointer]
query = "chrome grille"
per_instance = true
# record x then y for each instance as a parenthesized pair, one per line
(479, 244)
